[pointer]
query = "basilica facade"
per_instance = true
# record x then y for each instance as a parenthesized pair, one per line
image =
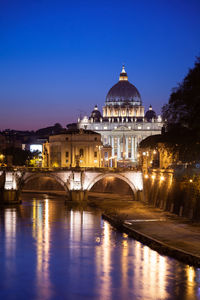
(124, 123)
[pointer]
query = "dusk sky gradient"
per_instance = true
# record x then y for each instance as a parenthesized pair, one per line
(58, 58)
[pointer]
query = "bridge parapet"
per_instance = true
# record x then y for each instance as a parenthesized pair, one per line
(74, 169)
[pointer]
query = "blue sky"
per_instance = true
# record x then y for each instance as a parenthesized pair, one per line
(60, 58)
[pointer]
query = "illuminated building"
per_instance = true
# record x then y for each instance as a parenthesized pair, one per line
(123, 124)
(158, 157)
(73, 148)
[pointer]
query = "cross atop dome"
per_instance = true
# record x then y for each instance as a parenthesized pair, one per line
(123, 75)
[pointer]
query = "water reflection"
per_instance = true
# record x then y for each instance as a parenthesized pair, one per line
(41, 232)
(74, 254)
(103, 263)
(10, 231)
(10, 243)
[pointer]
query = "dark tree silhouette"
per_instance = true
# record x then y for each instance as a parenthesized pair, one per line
(183, 108)
(182, 115)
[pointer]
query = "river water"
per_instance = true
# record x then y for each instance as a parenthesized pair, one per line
(50, 251)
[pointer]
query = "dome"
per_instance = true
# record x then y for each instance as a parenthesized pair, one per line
(150, 114)
(124, 91)
(96, 115)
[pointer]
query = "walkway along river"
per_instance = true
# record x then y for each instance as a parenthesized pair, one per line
(51, 251)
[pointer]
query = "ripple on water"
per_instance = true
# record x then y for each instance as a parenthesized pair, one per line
(49, 251)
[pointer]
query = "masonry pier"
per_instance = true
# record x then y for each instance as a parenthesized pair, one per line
(9, 197)
(78, 196)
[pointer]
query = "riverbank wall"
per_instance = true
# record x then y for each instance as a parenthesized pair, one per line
(176, 192)
(155, 244)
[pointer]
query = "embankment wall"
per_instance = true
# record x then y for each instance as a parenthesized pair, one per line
(176, 193)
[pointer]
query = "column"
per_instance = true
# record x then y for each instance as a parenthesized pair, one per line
(112, 145)
(136, 140)
(132, 148)
(126, 139)
(118, 148)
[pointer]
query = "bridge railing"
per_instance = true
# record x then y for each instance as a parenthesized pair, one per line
(59, 169)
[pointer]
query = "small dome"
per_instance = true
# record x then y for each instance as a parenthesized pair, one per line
(96, 115)
(124, 91)
(150, 114)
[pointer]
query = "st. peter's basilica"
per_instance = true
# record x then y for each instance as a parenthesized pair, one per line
(124, 123)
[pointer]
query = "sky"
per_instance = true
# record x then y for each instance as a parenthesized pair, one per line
(58, 59)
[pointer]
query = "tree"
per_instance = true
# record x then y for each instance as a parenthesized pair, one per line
(183, 108)
(16, 156)
(19, 157)
(182, 115)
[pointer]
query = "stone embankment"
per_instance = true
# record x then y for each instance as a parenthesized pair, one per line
(162, 231)
(175, 191)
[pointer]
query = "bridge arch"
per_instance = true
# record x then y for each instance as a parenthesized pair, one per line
(122, 177)
(25, 179)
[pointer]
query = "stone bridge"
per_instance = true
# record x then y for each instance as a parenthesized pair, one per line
(75, 181)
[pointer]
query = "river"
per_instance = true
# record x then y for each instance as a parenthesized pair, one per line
(51, 251)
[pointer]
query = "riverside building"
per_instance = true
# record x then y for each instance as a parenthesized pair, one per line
(123, 124)
(73, 148)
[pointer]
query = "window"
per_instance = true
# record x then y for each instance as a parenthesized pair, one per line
(81, 152)
(67, 161)
(106, 154)
(129, 154)
(67, 154)
(67, 138)
(95, 138)
(95, 154)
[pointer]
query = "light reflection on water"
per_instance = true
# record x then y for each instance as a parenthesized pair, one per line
(48, 251)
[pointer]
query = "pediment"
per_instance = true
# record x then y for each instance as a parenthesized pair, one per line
(120, 128)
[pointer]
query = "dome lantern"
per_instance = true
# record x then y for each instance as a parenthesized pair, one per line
(96, 115)
(150, 114)
(123, 75)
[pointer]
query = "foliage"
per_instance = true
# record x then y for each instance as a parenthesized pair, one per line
(16, 156)
(184, 103)
(182, 114)
(19, 157)
(182, 143)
